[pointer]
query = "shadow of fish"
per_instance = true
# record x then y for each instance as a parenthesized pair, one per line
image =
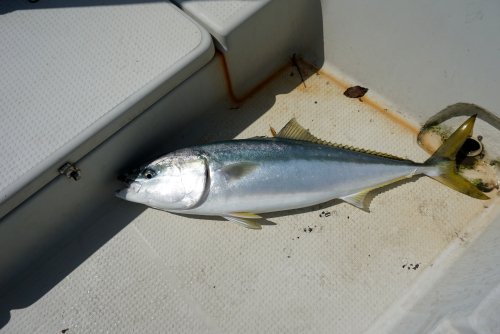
(238, 179)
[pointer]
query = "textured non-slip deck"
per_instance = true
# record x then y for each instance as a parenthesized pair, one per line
(332, 268)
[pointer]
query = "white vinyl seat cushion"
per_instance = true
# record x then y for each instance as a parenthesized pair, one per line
(72, 76)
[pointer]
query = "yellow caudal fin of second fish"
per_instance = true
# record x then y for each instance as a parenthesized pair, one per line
(441, 166)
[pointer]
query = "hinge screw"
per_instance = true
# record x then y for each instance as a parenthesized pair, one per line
(71, 171)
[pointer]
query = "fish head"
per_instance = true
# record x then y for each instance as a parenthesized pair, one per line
(166, 184)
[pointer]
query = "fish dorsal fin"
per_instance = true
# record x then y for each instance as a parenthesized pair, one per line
(293, 130)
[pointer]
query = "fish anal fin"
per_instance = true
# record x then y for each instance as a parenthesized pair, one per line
(238, 170)
(243, 215)
(293, 130)
(245, 222)
(357, 198)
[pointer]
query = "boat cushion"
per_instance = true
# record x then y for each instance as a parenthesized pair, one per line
(73, 76)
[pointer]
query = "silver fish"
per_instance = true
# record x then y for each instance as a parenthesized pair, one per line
(238, 179)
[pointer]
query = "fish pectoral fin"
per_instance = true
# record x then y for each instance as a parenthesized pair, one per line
(242, 215)
(238, 170)
(245, 222)
(357, 198)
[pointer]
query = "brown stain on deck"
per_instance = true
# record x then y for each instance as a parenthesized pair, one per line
(229, 83)
(373, 104)
(370, 102)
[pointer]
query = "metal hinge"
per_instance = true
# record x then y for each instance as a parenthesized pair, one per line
(71, 171)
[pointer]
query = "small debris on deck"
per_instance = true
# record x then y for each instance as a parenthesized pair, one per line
(273, 132)
(355, 92)
(411, 266)
(325, 214)
(294, 62)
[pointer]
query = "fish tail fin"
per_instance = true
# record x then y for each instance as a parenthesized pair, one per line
(441, 166)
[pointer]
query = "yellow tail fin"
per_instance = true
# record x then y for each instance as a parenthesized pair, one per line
(444, 160)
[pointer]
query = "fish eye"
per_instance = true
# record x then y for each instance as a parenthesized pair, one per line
(149, 173)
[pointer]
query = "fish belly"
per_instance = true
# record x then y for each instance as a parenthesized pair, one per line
(294, 183)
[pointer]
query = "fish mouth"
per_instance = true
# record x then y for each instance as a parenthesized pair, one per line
(133, 187)
(124, 178)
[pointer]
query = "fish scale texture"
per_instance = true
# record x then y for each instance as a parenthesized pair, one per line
(332, 268)
(61, 69)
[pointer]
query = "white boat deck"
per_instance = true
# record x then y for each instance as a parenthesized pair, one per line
(330, 268)
(134, 80)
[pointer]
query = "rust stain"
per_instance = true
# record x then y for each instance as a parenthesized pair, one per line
(225, 70)
(391, 115)
(429, 141)
(229, 82)
(371, 102)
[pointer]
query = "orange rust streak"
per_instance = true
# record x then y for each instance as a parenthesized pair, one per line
(229, 83)
(392, 116)
(395, 118)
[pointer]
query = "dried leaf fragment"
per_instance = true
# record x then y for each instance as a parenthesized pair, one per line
(273, 132)
(355, 92)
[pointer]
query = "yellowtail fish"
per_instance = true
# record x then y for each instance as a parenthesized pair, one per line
(239, 179)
